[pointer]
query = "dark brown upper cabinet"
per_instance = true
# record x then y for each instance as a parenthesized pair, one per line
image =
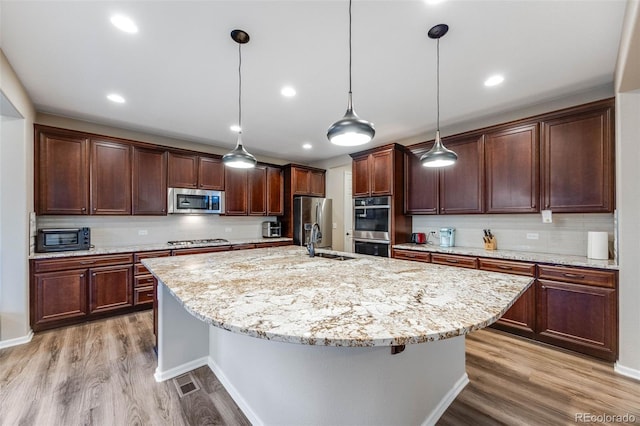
(236, 193)
(511, 167)
(307, 181)
(110, 177)
(462, 184)
(421, 188)
(149, 178)
(275, 191)
(257, 191)
(61, 172)
(578, 161)
(373, 173)
(195, 171)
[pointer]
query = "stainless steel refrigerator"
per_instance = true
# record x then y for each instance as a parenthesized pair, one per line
(306, 212)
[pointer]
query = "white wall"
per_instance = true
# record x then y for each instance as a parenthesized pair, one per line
(16, 201)
(627, 192)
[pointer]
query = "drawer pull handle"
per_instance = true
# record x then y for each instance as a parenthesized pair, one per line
(568, 275)
(508, 268)
(88, 262)
(452, 260)
(149, 294)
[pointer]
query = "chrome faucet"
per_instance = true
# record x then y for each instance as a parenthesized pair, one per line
(315, 237)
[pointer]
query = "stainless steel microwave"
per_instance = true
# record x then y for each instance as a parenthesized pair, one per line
(63, 239)
(195, 201)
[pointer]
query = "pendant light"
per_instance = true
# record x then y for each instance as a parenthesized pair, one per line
(438, 155)
(350, 130)
(239, 158)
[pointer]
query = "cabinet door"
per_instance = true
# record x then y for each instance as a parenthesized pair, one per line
(210, 173)
(521, 317)
(257, 181)
(275, 192)
(110, 288)
(183, 170)
(578, 317)
(512, 164)
(110, 178)
(149, 182)
(361, 177)
(316, 183)
(421, 185)
(300, 181)
(462, 184)
(61, 174)
(381, 173)
(577, 163)
(236, 192)
(59, 296)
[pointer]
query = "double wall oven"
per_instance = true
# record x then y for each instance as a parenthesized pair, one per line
(372, 225)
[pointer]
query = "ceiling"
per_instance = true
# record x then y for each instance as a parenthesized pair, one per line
(179, 73)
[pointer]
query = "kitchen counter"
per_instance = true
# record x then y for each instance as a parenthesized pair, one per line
(549, 258)
(282, 294)
(151, 247)
(301, 340)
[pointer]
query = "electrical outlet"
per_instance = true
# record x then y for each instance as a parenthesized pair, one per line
(142, 232)
(335, 225)
(532, 236)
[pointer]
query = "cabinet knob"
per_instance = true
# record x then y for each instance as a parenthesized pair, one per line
(81, 275)
(84, 209)
(93, 275)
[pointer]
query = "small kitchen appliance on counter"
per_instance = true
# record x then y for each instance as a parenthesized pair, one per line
(447, 237)
(271, 229)
(62, 239)
(419, 238)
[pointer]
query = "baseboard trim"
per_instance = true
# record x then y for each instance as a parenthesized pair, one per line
(235, 395)
(446, 401)
(626, 371)
(16, 341)
(161, 376)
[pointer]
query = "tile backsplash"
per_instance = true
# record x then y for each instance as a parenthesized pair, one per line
(114, 231)
(567, 234)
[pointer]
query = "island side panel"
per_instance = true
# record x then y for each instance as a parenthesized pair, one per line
(183, 340)
(284, 383)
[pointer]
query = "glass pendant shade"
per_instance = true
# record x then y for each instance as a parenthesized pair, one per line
(239, 158)
(438, 155)
(350, 130)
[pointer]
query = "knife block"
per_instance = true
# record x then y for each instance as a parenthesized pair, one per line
(492, 244)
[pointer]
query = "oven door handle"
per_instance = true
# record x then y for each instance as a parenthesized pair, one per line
(371, 207)
(364, 240)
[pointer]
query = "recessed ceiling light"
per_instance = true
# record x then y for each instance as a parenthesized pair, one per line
(307, 146)
(288, 92)
(432, 2)
(494, 80)
(114, 97)
(124, 23)
(235, 128)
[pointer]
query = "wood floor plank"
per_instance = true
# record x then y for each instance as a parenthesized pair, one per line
(101, 373)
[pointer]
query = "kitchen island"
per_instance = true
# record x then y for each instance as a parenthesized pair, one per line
(301, 340)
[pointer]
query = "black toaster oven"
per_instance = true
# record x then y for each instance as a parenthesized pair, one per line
(63, 239)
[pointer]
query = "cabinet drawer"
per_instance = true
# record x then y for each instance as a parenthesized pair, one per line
(243, 246)
(143, 295)
(418, 256)
(454, 260)
(578, 275)
(140, 269)
(137, 257)
(198, 250)
(61, 264)
(144, 281)
(509, 267)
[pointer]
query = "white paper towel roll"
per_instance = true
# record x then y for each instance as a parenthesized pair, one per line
(598, 245)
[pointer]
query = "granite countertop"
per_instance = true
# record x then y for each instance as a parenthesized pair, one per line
(151, 247)
(282, 294)
(555, 259)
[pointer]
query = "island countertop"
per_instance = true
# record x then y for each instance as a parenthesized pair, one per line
(282, 294)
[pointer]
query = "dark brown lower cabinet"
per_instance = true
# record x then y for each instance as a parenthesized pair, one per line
(110, 288)
(578, 317)
(59, 296)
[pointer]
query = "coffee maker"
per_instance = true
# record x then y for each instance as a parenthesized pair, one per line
(447, 237)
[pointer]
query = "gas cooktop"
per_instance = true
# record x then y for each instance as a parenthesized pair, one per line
(205, 241)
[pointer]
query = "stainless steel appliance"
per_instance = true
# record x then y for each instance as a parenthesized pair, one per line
(271, 229)
(195, 201)
(372, 225)
(63, 239)
(308, 211)
(447, 237)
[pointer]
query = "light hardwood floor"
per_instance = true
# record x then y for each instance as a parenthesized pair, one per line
(101, 373)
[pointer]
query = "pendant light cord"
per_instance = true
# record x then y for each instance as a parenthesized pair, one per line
(349, 47)
(438, 85)
(240, 87)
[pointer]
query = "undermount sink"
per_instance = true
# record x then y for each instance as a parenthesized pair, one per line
(333, 256)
